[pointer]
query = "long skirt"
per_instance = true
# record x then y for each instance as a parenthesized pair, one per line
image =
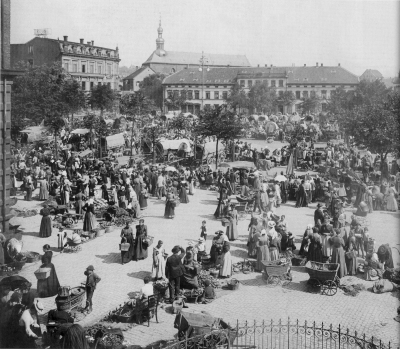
(78, 207)
(142, 201)
(183, 196)
(192, 189)
(339, 258)
(169, 210)
(226, 267)
(326, 246)
(314, 253)
(158, 271)
(232, 231)
(45, 227)
(274, 254)
(141, 249)
(351, 264)
(127, 256)
(48, 287)
(262, 255)
(89, 222)
(43, 192)
(392, 203)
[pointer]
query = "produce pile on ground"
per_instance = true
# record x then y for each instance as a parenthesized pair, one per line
(246, 266)
(205, 275)
(108, 340)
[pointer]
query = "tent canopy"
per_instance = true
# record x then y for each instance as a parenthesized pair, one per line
(246, 165)
(176, 144)
(209, 147)
(85, 153)
(80, 131)
(114, 141)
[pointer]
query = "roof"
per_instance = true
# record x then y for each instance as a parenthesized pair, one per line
(371, 73)
(137, 72)
(193, 76)
(173, 57)
(320, 75)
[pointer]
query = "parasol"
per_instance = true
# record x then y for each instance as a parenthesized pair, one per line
(170, 169)
(13, 281)
(280, 178)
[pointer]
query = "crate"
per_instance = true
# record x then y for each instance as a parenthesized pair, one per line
(42, 273)
(124, 246)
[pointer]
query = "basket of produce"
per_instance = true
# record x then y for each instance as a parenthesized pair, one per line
(275, 267)
(32, 257)
(205, 275)
(106, 338)
(18, 262)
(160, 285)
(74, 300)
(91, 235)
(148, 240)
(42, 273)
(6, 270)
(124, 246)
(124, 314)
(233, 284)
(214, 272)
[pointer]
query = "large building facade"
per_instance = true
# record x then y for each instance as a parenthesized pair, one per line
(170, 62)
(90, 65)
(210, 88)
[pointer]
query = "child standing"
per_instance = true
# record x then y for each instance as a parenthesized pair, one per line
(200, 249)
(203, 233)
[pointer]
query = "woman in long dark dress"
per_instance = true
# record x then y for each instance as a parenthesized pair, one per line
(301, 196)
(79, 202)
(351, 256)
(48, 287)
(127, 237)
(89, 222)
(45, 224)
(338, 255)
(189, 278)
(104, 191)
(222, 196)
(183, 196)
(315, 248)
(170, 205)
(140, 245)
(143, 197)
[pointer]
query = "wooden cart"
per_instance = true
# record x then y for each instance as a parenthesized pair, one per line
(323, 275)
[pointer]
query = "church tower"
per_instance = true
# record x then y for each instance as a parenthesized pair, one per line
(160, 42)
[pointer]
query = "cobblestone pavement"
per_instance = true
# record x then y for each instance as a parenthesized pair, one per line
(367, 313)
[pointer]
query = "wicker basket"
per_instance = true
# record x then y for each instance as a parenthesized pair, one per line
(100, 232)
(233, 284)
(91, 235)
(42, 273)
(124, 246)
(18, 264)
(73, 301)
(149, 240)
(32, 257)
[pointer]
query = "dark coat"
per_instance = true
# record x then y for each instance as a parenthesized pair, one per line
(174, 267)
(318, 214)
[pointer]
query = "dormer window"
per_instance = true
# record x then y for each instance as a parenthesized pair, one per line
(305, 79)
(181, 79)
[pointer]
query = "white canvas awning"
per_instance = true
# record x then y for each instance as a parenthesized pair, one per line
(114, 141)
(176, 144)
(80, 131)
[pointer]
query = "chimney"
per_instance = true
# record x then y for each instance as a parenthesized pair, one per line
(137, 67)
(258, 66)
(322, 64)
(92, 43)
(271, 65)
(316, 64)
(266, 66)
(339, 65)
(305, 65)
(81, 41)
(88, 43)
(65, 38)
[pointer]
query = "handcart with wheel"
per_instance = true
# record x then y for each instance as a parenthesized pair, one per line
(241, 208)
(248, 200)
(277, 272)
(323, 275)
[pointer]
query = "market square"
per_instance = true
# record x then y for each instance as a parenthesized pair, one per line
(197, 201)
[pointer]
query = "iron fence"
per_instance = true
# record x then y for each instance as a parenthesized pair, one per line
(281, 335)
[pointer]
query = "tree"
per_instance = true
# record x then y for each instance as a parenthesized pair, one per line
(287, 98)
(55, 125)
(262, 98)
(237, 98)
(102, 97)
(175, 101)
(311, 104)
(73, 97)
(151, 87)
(90, 121)
(39, 94)
(153, 132)
(222, 124)
(179, 123)
(375, 126)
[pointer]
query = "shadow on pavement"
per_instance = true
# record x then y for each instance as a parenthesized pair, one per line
(114, 257)
(239, 253)
(139, 274)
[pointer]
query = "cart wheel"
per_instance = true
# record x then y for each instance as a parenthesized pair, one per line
(329, 288)
(273, 280)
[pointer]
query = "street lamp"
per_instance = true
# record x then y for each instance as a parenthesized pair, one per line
(203, 61)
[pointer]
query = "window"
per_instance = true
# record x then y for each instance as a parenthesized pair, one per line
(312, 94)
(280, 93)
(137, 83)
(30, 49)
(74, 67)
(99, 84)
(169, 94)
(265, 82)
(109, 69)
(333, 86)
(91, 69)
(305, 94)
(176, 93)
(196, 95)
(273, 83)
(216, 106)
(305, 86)
(83, 68)
(190, 94)
(280, 83)
(298, 95)
(99, 69)
(250, 83)
(216, 95)
(91, 85)
(323, 93)
(258, 82)
(66, 66)
(83, 85)
(242, 83)
(312, 85)
(225, 95)
(208, 95)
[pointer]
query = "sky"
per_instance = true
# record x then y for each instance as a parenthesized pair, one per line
(357, 34)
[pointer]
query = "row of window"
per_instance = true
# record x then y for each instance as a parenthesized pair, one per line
(259, 82)
(91, 84)
(305, 94)
(196, 94)
(84, 67)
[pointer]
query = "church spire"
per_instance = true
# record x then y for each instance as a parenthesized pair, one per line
(160, 41)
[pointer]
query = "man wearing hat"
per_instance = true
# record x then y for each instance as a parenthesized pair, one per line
(92, 280)
(174, 270)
